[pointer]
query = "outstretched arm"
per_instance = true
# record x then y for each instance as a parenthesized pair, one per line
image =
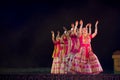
(76, 24)
(64, 28)
(96, 30)
(58, 33)
(75, 28)
(80, 28)
(53, 36)
(88, 27)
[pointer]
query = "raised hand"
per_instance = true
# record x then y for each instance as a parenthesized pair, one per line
(87, 25)
(52, 32)
(53, 36)
(96, 30)
(96, 23)
(72, 25)
(81, 22)
(90, 24)
(64, 29)
(76, 23)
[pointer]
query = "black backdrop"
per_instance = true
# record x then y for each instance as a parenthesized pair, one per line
(25, 39)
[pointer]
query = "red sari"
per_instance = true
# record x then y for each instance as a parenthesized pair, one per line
(56, 58)
(85, 61)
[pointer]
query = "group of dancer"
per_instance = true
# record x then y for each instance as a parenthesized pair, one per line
(73, 52)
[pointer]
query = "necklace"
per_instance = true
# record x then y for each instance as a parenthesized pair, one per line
(85, 38)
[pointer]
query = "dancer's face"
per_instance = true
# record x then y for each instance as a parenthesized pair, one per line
(72, 25)
(84, 30)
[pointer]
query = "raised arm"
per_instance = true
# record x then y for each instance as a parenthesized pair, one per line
(96, 30)
(72, 26)
(53, 36)
(58, 33)
(88, 27)
(76, 24)
(75, 28)
(64, 28)
(64, 33)
(80, 28)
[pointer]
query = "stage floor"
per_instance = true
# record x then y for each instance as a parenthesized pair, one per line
(44, 74)
(38, 76)
(39, 70)
(42, 70)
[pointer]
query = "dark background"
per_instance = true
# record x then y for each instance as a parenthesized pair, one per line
(25, 38)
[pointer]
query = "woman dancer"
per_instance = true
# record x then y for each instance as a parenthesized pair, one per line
(56, 54)
(65, 51)
(74, 45)
(85, 61)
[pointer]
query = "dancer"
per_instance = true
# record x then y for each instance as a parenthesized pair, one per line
(65, 51)
(74, 45)
(85, 61)
(56, 53)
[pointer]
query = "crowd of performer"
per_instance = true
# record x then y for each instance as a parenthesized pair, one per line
(73, 52)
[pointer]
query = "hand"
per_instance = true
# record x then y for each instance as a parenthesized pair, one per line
(76, 23)
(96, 23)
(81, 22)
(72, 25)
(90, 24)
(87, 25)
(52, 32)
(64, 28)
